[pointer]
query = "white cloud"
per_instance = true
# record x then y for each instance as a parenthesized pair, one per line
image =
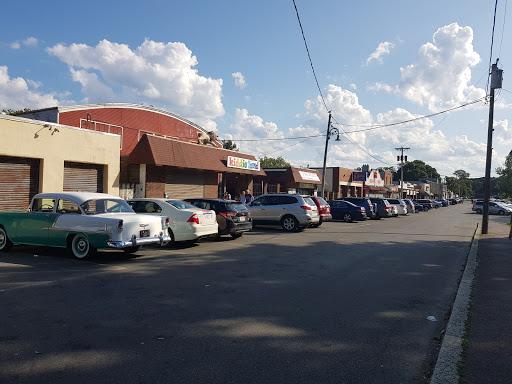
(383, 48)
(156, 73)
(15, 45)
(239, 80)
(440, 76)
(30, 41)
(16, 93)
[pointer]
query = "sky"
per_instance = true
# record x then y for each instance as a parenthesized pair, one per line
(387, 71)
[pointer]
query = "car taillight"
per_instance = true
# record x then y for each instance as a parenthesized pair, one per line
(306, 207)
(193, 219)
(362, 209)
(167, 221)
(388, 208)
(228, 214)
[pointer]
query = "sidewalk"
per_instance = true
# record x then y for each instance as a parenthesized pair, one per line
(489, 352)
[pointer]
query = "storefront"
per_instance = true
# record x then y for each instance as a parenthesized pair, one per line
(303, 181)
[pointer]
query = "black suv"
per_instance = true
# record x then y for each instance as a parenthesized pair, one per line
(232, 216)
(363, 202)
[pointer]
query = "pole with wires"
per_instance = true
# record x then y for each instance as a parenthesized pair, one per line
(496, 80)
(325, 153)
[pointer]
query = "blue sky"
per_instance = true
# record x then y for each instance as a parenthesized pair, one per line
(241, 68)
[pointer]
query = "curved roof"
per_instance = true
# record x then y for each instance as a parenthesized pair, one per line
(141, 107)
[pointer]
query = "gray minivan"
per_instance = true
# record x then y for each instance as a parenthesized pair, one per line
(291, 211)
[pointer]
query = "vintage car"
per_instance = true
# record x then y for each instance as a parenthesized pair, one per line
(81, 222)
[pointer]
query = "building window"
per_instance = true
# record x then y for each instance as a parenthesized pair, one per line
(272, 188)
(257, 189)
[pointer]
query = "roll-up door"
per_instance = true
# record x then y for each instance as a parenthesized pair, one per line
(19, 182)
(81, 177)
(184, 183)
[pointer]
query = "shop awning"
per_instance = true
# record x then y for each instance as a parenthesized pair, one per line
(163, 151)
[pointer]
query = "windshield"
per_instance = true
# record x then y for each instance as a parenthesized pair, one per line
(180, 204)
(310, 201)
(96, 206)
(234, 207)
(321, 201)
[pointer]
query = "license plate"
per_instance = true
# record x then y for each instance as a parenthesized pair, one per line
(241, 218)
(144, 233)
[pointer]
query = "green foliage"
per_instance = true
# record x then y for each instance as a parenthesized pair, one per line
(460, 184)
(270, 162)
(228, 144)
(505, 177)
(18, 112)
(416, 170)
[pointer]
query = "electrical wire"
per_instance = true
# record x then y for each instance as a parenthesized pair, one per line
(309, 56)
(492, 43)
(503, 28)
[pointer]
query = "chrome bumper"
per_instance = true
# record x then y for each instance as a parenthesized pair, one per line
(134, 241)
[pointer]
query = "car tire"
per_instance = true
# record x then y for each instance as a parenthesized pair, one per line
(290, 223)
(347, 217)
(80, 247)
(171, 242)
(5, 243)
(130, 250)
(236, 235)
(501, 213)
(478, 210)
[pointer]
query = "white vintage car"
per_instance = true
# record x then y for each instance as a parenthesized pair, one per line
(81, 222)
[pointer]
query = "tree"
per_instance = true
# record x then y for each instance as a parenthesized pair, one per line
(460, 184)
(270, 162)
(14, 113)
(417, 170)
(228, 144)
(505, 177)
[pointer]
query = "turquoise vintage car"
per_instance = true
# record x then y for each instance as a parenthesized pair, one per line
(81, 222)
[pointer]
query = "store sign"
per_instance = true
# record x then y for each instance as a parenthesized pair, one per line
(358, 176)
(309, 176)
(306, 186)
(237, 162)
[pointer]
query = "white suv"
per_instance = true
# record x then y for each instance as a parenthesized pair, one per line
(292, 212)
(399, 204)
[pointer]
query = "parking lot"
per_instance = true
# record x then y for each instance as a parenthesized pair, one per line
(345, 302)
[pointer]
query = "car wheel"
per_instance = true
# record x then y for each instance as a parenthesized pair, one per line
(347, 217)
(130, 250)
(81, 247)
(171, 242)
(478, 211)
(501, 213)
(5, 243)
(289, 223)
(236, 235)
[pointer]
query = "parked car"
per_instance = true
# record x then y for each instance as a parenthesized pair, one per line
(81, 222)
(400, 206)
(233, 217)
(426, 203)
(436, 204)
(410, 206)
(494, 208)
(364, 202)
(452, 201)
(291, 211)
(186, 222)
(346, 211)
(443, 202)
(383, 207)
(324, 209)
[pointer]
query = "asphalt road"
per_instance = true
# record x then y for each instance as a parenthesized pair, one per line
(342, 303)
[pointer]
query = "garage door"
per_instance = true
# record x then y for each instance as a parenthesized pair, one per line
(19, 182)
(81, 177)
(184, 183)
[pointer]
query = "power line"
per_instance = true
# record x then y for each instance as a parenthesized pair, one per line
(309, 56)
(492, 42)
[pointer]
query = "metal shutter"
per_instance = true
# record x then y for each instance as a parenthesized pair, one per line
(19, 182)
(80, 177)
(184, 183)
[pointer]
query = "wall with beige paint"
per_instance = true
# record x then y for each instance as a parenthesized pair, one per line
(53, 144)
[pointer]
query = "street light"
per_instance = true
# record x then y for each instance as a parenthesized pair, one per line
(331, 131)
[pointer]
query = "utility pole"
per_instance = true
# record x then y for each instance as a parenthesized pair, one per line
(496, 80)
(330, 131)
(401, 159)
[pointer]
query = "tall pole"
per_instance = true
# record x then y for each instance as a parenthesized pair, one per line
(401, 158)
(487, 181)
(496, 78)
(325, 153)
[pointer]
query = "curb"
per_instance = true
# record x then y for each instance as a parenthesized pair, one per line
(445, 371)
